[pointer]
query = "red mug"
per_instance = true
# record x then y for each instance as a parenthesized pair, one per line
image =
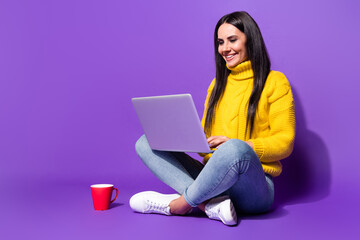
(101, 195)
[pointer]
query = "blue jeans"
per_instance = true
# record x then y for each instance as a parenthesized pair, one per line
(234, 169)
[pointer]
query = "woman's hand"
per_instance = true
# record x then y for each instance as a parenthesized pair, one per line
(250, 144)
(216, 141)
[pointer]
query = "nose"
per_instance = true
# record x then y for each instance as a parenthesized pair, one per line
(225, 47)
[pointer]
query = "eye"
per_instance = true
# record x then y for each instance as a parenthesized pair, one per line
(233, 40)
(220, 42)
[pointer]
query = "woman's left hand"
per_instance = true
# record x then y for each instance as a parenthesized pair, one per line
(216, 141)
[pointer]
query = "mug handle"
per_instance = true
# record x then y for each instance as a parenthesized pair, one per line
(117, 193)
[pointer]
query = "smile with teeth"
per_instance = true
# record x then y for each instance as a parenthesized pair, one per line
(229, 57)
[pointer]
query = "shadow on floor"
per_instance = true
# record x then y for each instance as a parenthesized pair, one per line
(115, 205)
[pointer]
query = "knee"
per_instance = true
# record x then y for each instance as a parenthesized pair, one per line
(234, 152)
(237, 148)
(142, 145)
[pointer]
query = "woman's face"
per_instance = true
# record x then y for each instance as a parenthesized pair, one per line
(231, 44)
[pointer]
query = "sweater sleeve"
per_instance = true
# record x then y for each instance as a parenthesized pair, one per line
(207, 102)
(205, 155)
(280, 140)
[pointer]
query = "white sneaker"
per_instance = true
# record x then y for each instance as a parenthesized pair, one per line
(221, 208)
(152, 202)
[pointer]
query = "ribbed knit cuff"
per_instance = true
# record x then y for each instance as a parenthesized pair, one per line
(258, 147)
(206, 158)
(202, 154)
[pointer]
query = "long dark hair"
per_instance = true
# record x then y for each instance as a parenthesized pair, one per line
(260, 63)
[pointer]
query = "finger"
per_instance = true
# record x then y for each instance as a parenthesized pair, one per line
(220, 140)
(217, 142)
(212, 143)
(211, 138)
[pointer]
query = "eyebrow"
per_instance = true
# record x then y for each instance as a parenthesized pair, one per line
(232, 36)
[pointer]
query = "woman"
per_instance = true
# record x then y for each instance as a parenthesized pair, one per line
(249, 119)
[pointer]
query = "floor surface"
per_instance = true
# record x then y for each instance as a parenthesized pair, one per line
(36, 209)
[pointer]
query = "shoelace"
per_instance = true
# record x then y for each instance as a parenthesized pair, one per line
(157, 207)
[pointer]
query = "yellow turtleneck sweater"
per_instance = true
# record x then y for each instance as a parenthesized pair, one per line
(274, 124)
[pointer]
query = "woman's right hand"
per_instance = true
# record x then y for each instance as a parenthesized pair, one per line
(216, 141)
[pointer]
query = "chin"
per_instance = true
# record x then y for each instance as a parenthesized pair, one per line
(231, 65)
(235, 63)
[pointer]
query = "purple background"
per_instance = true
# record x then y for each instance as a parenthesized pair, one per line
(68, 70)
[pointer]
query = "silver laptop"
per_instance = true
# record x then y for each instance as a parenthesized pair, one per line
(171, 123)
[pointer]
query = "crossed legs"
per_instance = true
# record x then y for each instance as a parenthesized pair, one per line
(234, 169)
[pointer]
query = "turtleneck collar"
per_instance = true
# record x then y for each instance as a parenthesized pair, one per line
(241, 71)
